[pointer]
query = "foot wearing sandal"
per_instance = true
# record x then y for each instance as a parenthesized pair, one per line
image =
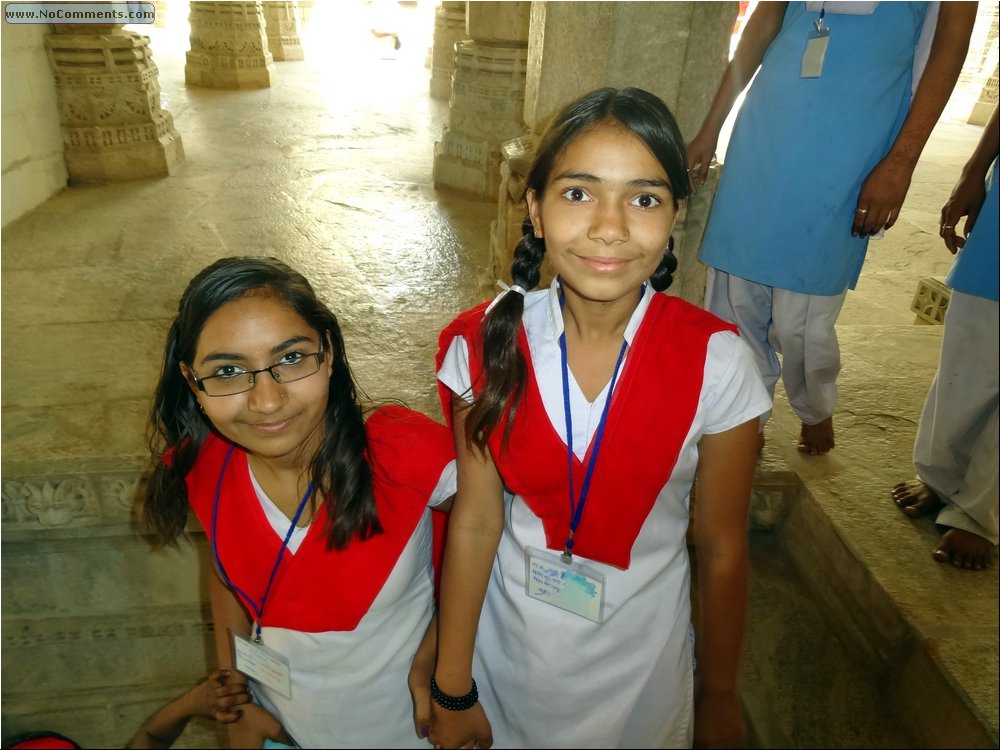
(915, 498)
(816, 439)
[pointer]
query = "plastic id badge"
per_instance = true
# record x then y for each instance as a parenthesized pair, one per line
(573, 586)
(812, 58)
(262, 664)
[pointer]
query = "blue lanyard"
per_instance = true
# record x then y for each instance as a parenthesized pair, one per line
(258, 610)
(576, 505)
(822, 14)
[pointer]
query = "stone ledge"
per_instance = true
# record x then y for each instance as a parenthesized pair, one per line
(928, 630)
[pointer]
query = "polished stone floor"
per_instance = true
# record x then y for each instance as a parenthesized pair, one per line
(329, 169)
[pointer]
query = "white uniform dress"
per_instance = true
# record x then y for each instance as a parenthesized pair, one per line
(349, 686)
(548, 678)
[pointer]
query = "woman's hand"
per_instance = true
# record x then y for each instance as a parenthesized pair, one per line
(700, 153)
(881, 196)
(966, 200)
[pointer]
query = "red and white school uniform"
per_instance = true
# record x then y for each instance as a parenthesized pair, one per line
(349, 621)
(550, 678)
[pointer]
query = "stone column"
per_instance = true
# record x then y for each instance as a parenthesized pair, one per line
(487, 97)
(228, 46)
(677, 50)
(283, 24)
(449, 29)
(109, 97)
(987, 101)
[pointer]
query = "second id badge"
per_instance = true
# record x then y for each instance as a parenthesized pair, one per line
(815, 53)
(572, 586)
(262, 664)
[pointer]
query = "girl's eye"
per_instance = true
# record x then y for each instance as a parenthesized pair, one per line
(575, 195)
(646, 200)
(228, 371)
(291, 358)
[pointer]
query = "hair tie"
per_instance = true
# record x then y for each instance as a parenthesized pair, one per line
(505, 290)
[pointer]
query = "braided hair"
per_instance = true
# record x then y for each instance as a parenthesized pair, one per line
(649, 119)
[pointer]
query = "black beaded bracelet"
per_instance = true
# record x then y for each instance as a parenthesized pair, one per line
(452, 702)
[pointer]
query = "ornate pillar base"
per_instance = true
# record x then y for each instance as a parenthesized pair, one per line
(487, 99)
(113, 126)
(228, 46)
(283, 24)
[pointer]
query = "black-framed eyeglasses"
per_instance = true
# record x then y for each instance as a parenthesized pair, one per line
(237, 380)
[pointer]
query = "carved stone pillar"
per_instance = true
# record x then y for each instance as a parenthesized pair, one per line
(283, 24)
(577, 47)
(487, 97)
(449, 29)
(109, 96)
(228, 46)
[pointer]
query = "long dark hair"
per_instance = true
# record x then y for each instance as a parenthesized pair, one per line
(648, 118)
(340, 470)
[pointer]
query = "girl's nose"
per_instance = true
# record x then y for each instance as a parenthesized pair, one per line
(267, 393)
(609, 224)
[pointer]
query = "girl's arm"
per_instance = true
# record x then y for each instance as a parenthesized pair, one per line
(167, 724)
(761, 28)
(725, 472)
(474, 530)
(228, 616)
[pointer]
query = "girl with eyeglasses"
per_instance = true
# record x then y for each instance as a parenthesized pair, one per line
(582, 414)
(316, 510)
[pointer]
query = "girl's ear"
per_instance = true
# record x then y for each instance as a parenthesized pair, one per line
(535, 212)
(328, 359)
(189, 378)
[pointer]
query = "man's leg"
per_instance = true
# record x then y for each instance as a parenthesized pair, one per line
(802, 331)
(956, 449)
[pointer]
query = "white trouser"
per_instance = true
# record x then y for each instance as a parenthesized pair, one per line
(799, 327)
(956, 450)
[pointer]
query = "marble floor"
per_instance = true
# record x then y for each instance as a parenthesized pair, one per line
(332, 173)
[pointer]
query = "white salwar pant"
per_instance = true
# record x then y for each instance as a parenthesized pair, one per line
(799, 327)
(956, 450)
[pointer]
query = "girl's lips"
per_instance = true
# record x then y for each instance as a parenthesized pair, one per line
(604, 265)
(271, 427)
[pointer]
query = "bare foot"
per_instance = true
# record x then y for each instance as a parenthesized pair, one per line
(816, 439)
(963, 549)
(915, 498)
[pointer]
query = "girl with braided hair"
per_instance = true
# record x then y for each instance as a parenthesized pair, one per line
(582, 414)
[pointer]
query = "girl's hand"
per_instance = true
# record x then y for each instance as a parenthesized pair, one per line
(468, 729)
(718, 721)
(258, 724)
(419, 679)
(226, 691)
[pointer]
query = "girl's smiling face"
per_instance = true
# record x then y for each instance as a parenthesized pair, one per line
(606, 214)
(271, 420)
